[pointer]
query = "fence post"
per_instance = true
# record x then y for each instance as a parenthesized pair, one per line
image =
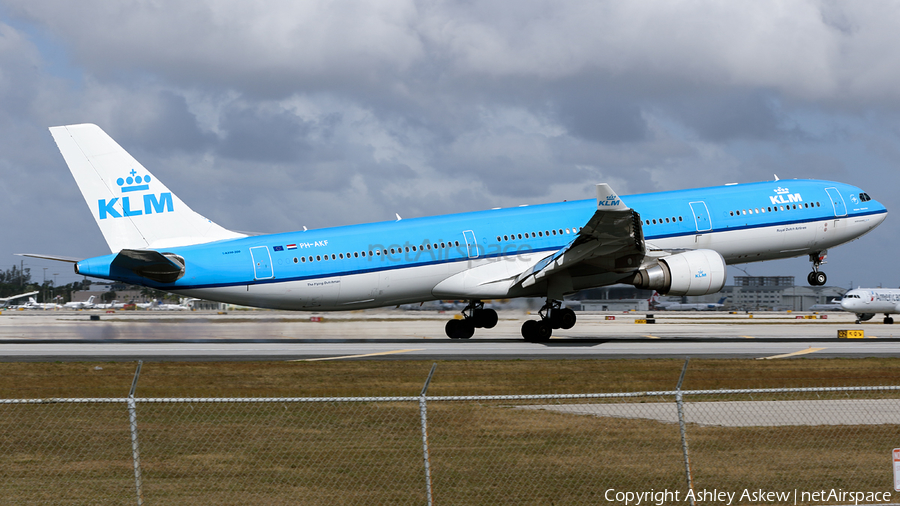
(679, 401)
(423, 416)
(135, 453)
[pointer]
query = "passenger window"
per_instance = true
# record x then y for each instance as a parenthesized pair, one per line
(333, 257)
(319, 258)
(654, 221)
(505, 238)
(356, 254)
(667, 220)
(520, 236)
(341, 256)
(680, 219)
(731, 213)
(457, 244)
(295, 259)
(567, 230)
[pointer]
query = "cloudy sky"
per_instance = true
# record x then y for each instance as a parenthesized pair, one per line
(270, 116)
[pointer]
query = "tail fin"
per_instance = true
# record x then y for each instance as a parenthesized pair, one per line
(131, 206)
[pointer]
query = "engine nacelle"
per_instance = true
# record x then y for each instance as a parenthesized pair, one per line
(697, 272)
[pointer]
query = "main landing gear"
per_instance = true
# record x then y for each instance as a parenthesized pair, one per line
(815, 277)
(553, 316)
(474, 316)
(888, 320)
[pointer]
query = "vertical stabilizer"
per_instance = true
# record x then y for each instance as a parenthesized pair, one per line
(132, 207)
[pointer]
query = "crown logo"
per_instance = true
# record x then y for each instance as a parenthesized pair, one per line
(781, 190)
(134, 182)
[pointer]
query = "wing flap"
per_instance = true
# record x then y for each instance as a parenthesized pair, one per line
(612, 240)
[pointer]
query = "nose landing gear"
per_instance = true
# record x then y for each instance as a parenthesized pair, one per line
(816, 278)
(553, 316)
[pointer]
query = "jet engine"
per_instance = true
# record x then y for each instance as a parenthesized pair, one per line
(696, 272)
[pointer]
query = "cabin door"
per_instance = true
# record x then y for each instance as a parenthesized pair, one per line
(262, 262)
(701, 216)
(837, 201)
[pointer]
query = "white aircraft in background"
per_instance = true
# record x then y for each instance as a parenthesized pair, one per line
(833, 305)
(4, 301)
(185, 305)
(867, 302)
(33, 304)
(655, 303)
(85, 304)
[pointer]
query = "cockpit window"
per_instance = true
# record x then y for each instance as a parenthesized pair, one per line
(864, 197)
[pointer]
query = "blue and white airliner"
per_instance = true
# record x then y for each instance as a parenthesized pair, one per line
(675, 242)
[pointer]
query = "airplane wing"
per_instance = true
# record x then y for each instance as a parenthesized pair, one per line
(14, 297)
(612, 240)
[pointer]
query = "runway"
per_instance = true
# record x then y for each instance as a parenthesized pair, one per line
(410, 335)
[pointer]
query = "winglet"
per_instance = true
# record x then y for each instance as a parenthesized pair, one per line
(608, 200)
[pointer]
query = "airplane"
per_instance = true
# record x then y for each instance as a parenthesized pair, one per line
(685, 306)
(832, 305)
(675, 242)
(86, 304)
(866, 302)
(33, 304)
(4, 301)
(184, 305)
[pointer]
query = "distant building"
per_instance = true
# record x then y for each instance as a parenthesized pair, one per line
(776, 293)
(610, 298)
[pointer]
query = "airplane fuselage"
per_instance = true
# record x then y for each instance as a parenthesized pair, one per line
(413, 260)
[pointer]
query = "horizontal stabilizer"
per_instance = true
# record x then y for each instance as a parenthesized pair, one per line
(57, 258)
(150, 264)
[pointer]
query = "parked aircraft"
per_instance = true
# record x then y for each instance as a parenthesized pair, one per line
(867, 302)
(655, 303)
(832, 305)
(4, 301)
(85, 304)
(33, 304)
(675, 242)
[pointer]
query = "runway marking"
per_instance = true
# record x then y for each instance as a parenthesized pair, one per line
(793, 354)
(748, 337)
(652, 337)
(357, 356)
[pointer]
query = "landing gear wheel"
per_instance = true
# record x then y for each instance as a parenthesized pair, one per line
(459, 329)
(529, 331)
(888, 320)
(544, 330)
(816, 278)
(537, 331)
(485, 318)
(566, 318)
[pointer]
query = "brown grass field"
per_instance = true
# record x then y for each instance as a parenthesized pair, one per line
(371, 452)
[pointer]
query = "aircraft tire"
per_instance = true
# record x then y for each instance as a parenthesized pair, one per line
(567, 318)
(485, 318)
(888, 320)
(530, 331)
(544, 331)
(459, 329)
(821, 278)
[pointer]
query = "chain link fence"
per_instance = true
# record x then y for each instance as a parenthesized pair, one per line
(610, 448)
